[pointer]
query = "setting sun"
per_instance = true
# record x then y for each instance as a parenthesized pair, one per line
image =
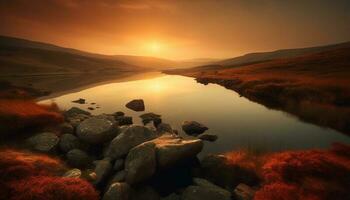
(155, 47)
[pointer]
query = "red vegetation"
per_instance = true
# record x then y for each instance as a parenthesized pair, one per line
(33, 176)
(19, 114)
(15, 165)
(53, 188)
(294, 175)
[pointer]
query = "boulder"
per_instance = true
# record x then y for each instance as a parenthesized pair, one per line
(204, 193)
(164, 128)
(98, 129)
(77, 119)
(140, 164)
(67, 128)
(117, 191)
(78, 158)
(44, 142)
(103, 168)
(118, 165)
(124, 120)
(171, 150)
(136, 105)
(128, 139)
(73, 173)
(193, 128)
(69, 142)
(244, 192)
(75, 111)
(148, 117)
(208, 137)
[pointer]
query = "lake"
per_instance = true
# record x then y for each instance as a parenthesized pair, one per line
(238, 122)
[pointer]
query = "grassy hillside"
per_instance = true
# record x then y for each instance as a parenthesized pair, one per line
(315, 87)
(278, 54)
(22, 57)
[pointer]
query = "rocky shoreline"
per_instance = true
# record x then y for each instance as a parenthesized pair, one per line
(124, 161)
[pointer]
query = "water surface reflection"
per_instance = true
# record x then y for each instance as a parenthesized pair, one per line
(238, 122)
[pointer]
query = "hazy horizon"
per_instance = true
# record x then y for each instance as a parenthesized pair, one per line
(178, 30)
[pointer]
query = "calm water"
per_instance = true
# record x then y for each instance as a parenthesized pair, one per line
(238, 122)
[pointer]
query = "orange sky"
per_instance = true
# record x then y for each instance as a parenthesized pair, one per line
(178, 29)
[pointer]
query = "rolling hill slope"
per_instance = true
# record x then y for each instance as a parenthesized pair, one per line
(19, 54)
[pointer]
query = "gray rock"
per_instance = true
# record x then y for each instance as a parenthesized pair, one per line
(75, 111)
(164, 128)
(136, 105)
(193, 128)
(67, 128)
(144, 193)
(208, 137)
(78, 158)
(204, 193)
(44, 142)
(73, 173)
(128, 139)
(244, 192)
(140, 164)
(69, 142)
(171, 150)
(77, 119)
(124, 120)
(117, 191)
(98, 129)
(148, 117)
(103, 168)
(118, 165)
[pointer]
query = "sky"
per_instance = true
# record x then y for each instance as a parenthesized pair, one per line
(178, 29)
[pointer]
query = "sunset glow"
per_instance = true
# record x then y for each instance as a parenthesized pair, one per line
(188, 29)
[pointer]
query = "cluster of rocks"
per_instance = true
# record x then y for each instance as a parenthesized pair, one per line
(123, 160)
(92, 106)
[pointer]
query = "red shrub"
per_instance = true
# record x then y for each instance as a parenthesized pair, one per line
(277, 191)
(33, 176)
(18, 114)
(312, 174)
(15, 165)
(53, 188)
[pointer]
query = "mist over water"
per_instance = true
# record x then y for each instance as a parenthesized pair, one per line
(238, 122)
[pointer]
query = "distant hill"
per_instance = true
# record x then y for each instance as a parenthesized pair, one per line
(283, 53)
(159, 63)
(25, 56)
